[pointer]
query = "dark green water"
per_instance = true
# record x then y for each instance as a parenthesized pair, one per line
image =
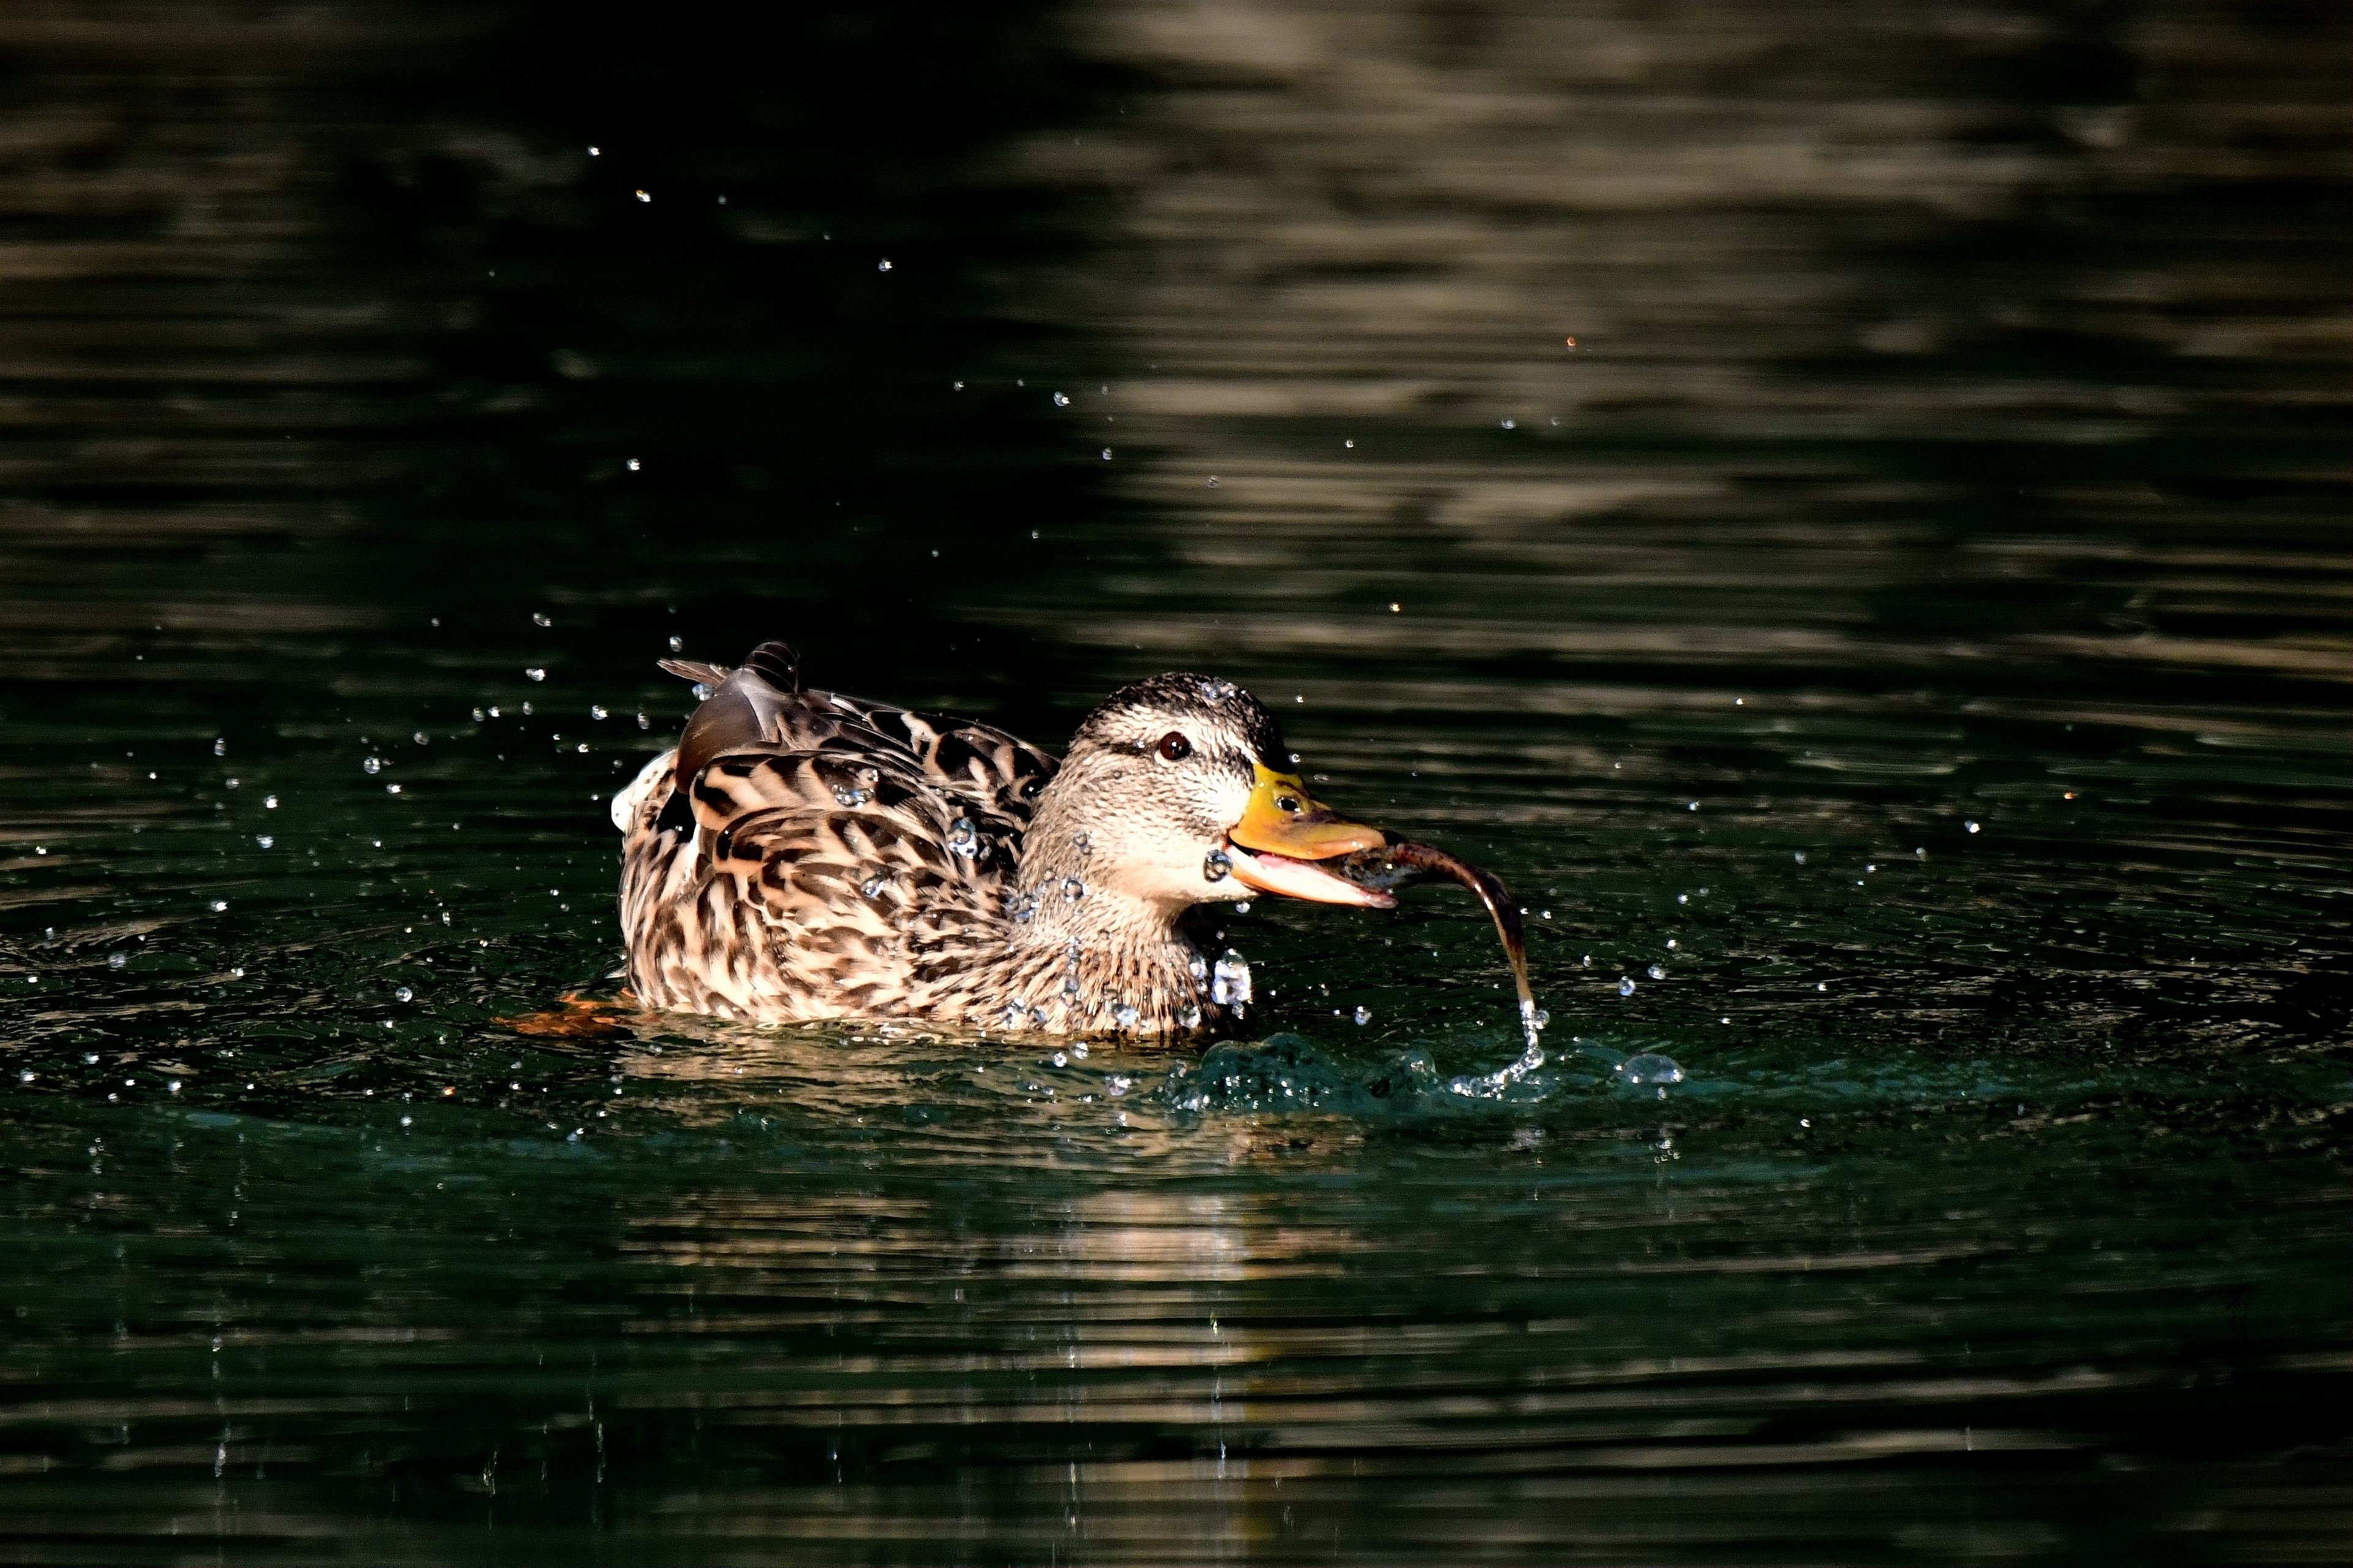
(1913, 617)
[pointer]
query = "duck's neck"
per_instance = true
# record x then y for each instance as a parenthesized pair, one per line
(1064, 901)
(1101, 952)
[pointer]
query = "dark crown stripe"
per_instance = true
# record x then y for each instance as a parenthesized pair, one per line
(1179, 692)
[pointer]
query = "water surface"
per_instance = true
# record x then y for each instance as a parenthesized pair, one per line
(1898, 653)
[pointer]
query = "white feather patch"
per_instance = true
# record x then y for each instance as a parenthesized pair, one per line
(627, 804)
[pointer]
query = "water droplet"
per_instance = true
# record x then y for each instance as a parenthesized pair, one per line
(1106, 454)
(173, 1086)
(1084, 843)
(1200, 966)
(1970, 826)
(1037, 1017)
(1509, 425)
(1682, 897)
(535, 674)
(1625, 986)
(494, 711)
(372, 765)
(1061, 400)
(701, 690)
(1658, 971)
(872, 885)
(1799, 857)
(1670, 941)
(392, 789)
(644, 196)
(1364, 1013)
(1213, 481)
(220, 748)
(1216, 866)
(883, 265)
(1126, 1015)
(115, 961)
(596, 710)
(1230, 984)
(539, 619)
(1060, 1061)
(677, 645)
(1022, 907)
(851, 795)
(404, 994)
(644, 723)
(1015, 1014)
(1649, 1067)
(264, 839)
(1190, 1015)
(1821, 984)
(963, 838)
(1540, 1018)
(581, 747)
(1074, 889)
(1080, 1050)
(1070, 985)
(1242, 907)
(219, 906)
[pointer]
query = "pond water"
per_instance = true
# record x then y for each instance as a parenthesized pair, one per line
(1844, 511)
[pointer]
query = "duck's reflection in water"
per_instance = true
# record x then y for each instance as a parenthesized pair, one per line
(950, 1304)
(918, 1298)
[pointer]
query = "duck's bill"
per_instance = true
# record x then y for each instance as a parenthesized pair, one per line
(1283, 818)
(1271, 873)
(1284, 831)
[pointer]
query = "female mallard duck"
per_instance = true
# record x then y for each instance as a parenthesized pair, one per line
(804, 856)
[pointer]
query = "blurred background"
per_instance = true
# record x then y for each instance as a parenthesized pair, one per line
(1843, 506)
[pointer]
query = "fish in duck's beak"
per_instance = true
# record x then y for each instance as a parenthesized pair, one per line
(1284, 831)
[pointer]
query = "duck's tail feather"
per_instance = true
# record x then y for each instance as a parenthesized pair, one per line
(775, 663)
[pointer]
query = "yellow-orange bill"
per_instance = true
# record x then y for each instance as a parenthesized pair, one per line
(1301, 880)
(1283, 819)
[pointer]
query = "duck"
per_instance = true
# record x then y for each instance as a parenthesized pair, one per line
(802, 855)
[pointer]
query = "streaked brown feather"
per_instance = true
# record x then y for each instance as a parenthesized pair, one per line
(851, 858)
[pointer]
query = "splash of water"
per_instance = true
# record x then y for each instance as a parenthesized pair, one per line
(1394, 865)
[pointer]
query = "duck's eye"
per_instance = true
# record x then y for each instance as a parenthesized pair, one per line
(1175, 748)
(1286, 802)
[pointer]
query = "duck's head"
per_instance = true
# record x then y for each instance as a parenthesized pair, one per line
(1186, 793)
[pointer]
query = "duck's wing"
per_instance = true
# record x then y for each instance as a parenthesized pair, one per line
(988, 768)
(872, 870)
(763, 705)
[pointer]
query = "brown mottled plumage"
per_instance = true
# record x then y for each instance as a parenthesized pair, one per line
(808, 856)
